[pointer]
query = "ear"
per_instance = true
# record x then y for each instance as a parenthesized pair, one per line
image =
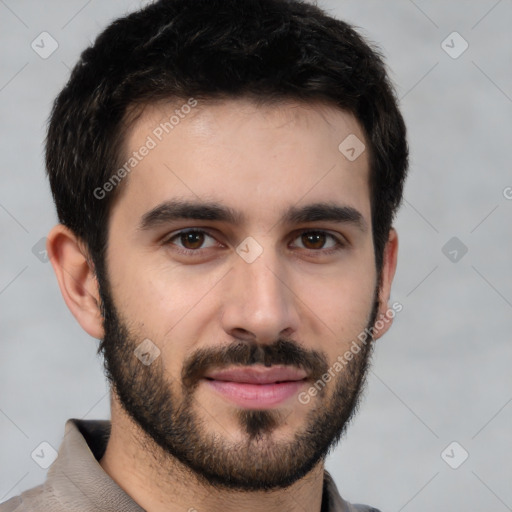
(383, 321)
(77, 279)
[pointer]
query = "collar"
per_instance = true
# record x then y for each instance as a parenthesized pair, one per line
(77, 477)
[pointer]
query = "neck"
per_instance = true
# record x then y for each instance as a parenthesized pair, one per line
(159, 483)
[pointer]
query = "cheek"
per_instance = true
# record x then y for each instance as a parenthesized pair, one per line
(149, 284)
(168, 303)
(338, 305)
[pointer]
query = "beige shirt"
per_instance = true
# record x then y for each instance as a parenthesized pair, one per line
(77, 483)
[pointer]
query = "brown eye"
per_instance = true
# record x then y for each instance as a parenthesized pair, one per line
(192, 239)
(313, 240)
(320, 241)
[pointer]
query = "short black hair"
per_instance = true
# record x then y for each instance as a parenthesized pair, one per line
(266, 50)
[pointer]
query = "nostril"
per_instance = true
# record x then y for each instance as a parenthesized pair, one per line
(242, 334)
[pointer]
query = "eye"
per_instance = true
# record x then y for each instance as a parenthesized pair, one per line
(192, 240)
(318, 240)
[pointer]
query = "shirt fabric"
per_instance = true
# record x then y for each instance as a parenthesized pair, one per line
(76, 482)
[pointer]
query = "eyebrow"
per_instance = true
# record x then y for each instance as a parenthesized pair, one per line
(173, 210)
(325, 212)
(177, 210)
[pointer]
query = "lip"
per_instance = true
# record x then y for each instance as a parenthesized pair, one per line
(257, 387)
(258, 374)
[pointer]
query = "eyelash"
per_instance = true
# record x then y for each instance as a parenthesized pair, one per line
(339, 242)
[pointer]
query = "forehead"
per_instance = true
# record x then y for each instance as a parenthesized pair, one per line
(245, 155)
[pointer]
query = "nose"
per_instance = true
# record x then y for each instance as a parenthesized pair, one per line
(259, 304)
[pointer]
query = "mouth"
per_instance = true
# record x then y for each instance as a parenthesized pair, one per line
(257, 387)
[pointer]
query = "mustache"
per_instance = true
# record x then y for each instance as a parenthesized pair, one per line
(243, 353)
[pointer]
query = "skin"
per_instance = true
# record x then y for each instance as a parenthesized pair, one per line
(259, 161)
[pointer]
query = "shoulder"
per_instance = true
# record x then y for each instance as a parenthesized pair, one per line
(18, 503)
(12, 505)
(36, 499)
(334, 501)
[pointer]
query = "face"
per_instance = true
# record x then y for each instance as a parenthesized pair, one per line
(241, 271)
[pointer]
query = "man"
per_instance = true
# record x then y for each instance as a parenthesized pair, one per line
(226, 173)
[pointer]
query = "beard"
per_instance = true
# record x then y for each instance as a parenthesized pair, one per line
(168, 415)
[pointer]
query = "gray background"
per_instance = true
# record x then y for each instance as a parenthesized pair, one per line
(442, 373)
